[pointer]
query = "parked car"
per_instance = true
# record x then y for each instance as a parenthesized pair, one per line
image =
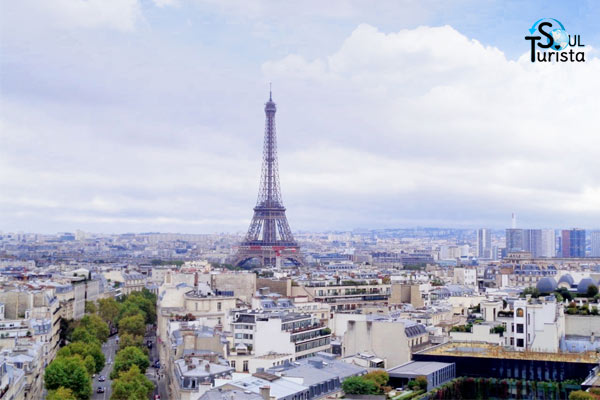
(101, 378)
(100, 389)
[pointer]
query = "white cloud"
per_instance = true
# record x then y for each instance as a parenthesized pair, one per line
(415, 127)
(433, 109)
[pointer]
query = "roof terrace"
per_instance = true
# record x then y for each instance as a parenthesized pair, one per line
(486, 350)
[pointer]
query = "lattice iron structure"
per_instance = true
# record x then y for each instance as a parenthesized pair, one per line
(269, 237)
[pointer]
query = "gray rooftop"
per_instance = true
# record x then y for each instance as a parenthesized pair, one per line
(417, 368)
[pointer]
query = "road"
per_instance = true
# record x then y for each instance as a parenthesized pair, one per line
(152, 373)
(109, 349)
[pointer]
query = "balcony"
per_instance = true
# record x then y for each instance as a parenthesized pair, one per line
(306, 328)
(312, 335)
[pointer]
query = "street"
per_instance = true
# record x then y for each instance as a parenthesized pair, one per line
(153, 373)
(109, 349)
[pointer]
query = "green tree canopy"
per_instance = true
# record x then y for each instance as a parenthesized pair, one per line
(80, 334)
(145, 304)
(359, 385)
(108, 309)
(70, 373)
(130, 309)
(96, 326)
(134, 325)
(90, 307)
(581, 395)
(592, 290)
(379, 377)
(92, 349)
(126, 358)
(127, 339)
(61, 394)
(131, 385)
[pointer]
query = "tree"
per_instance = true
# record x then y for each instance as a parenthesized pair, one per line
(592, 290)
(532, 291)
(379, 377)
(81, 334)
(130, 309)
(127, 339)
(144, 301)
(96, 326)
(61, 394)
(90, 307)
(108, 309)
(131, 385)
(69, 373)
(91, 349)
(422, 382)
(133, 325)
(358, 385)
(580, 395)
(126, 358)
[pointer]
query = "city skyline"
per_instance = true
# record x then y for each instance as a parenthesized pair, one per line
(136, 117)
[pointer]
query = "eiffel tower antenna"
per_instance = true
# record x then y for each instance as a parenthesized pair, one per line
(269, 236)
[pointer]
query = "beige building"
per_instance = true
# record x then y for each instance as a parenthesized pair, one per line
(390, 340)
(406, 294)
(242, 284)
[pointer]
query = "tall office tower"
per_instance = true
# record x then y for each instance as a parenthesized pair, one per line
(514, 240)
(565, 243)
(573, 243)
(595, 241)
(532, 242)
(484, 243)
(269, 236)
(529, 240)
(548, 243)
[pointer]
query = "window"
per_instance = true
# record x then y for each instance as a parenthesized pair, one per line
(232, 364)
(520, 343)
(219, 306)
(519, 328)
(520, 312)
(245, 366)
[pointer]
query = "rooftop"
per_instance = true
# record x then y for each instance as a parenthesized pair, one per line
(486, 350)
(417, 368)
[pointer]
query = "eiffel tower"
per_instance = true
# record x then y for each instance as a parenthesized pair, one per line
(269, 237)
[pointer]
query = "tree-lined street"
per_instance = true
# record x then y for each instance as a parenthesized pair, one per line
(109, 349)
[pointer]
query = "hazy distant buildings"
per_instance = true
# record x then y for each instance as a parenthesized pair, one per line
(484, 243)
(548, 243)
(595, 242)
(573, 243)
(538, 242)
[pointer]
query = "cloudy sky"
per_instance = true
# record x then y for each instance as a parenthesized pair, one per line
(140, 115)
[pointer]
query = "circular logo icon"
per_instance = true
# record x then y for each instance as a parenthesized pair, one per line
(561, 39)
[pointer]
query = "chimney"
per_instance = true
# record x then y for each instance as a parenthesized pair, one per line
(196, 281)
(265, 392)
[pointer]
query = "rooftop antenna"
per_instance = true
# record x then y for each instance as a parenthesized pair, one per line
(514, 221)
(270, 94)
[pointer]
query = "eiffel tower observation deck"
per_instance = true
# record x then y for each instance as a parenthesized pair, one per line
(269, 238)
